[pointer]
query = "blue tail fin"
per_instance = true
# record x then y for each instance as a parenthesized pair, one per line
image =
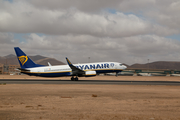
(24, 60)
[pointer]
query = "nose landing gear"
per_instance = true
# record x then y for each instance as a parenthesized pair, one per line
(74, 79)
(117, 74)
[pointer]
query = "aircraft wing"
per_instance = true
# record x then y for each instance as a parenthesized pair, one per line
(75, 70)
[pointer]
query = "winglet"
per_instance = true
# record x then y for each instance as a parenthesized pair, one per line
(69, 63)
(74, 69)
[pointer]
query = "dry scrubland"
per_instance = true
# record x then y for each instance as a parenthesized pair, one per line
(79, 102)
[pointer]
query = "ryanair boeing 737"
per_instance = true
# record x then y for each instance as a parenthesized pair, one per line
(75, 71)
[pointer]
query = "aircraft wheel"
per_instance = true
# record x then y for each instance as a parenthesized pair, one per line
(72, 78)
(76, 79)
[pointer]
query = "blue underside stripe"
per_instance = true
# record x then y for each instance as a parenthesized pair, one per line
(50, 74)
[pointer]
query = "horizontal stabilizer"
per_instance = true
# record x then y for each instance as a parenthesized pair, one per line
(22, 69)
(49, 64)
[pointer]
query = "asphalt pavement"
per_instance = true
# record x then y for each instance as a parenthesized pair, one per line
(99, 82)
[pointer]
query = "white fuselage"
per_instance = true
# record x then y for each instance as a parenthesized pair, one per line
(65, 70)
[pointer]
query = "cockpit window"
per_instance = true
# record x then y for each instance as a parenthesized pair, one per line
(120, 64)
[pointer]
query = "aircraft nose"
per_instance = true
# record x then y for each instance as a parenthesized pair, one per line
(124, 67)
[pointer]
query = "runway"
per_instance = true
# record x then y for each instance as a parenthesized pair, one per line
(99, 82)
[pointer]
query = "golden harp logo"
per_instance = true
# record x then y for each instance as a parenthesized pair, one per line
(23, 59)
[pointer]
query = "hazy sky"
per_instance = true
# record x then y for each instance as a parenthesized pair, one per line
(126, 31)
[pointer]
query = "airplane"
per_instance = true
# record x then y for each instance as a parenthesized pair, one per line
(74, 70)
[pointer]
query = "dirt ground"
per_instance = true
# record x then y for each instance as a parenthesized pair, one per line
(90, 102)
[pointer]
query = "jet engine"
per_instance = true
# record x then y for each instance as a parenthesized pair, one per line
(90, 73)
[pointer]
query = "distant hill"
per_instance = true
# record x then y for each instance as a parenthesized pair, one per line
(169, 65)
(12, 60)
(37, 57)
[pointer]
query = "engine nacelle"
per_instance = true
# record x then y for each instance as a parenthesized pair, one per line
(90, 73)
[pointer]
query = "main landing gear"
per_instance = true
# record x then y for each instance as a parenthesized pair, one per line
(74, 79)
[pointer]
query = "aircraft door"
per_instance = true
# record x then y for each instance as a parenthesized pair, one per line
(115, 66)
